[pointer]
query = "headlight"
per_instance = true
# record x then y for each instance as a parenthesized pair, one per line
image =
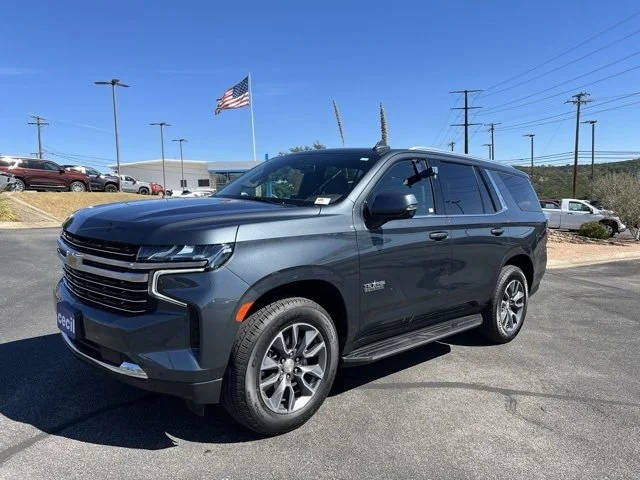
(214, 255)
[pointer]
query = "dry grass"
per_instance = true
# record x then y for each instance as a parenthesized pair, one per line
(6, 210)
(61, 204)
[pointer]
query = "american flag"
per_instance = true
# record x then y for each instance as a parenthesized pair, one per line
(235, 97)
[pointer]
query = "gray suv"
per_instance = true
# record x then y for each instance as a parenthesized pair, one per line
(255, 296)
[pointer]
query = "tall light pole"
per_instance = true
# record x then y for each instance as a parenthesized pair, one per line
(180, 140)
(490, 149)
(593, 148)
(164, 177)
(531, 135)
(114, 82)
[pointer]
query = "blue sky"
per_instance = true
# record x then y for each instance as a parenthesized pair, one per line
(179, 56)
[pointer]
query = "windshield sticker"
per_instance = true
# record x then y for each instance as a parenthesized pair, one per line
(322, 201)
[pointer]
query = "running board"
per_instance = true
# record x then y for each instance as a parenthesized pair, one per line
(408, 340)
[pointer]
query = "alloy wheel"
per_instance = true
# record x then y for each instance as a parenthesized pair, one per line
(511, 307)
(292, 368)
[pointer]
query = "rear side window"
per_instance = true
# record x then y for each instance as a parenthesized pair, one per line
(460, 189)
(521, 191)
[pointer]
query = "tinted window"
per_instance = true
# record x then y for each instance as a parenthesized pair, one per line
(302, 179)
(34, 164)
(550, 205)
(129, 179)
(404, 177)
(91, 171)
(6, 162)
(203, 182)
(50, 166)
(578, 207)
(521, 191)
(460, 189)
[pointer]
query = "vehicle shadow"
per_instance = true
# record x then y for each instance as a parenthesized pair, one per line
(43, 385)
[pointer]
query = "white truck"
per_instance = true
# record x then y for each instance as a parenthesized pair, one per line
(130, 184)
(570, 214)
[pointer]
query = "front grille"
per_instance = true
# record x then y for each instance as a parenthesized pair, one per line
(105, 292)
(102, 248)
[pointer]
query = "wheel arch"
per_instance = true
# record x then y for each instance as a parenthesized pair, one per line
(524, 263)
(318, 288)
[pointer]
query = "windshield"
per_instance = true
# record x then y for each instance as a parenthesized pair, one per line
(306, 179)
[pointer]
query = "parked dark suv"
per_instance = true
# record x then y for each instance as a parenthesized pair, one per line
(254, 296)
(36, 174)
(100, 182)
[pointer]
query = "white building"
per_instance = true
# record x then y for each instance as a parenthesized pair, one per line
(197, 173)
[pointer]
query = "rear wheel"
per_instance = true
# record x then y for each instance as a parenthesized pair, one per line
(282, 366)
(77, 187)
(504, 317)
(611, 230)
(143, 191)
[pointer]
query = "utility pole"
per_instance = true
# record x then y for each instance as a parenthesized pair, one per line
(164, 177)
(180, 140)
(492, 127)
(466, 109)
(531, 135)
(114, 82)
(490, 148)
(593, 149)
(451, 145)
(577, 100)
(39, 123)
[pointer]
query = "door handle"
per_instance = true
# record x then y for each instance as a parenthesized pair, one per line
(438, 235)
(497, 231)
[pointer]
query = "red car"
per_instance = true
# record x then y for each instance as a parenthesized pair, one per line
(156, 189)
(37, 174)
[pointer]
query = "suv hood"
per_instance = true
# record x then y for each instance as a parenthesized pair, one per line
(177, 221)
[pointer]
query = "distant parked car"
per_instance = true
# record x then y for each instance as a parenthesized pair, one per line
(100, 182)
(7, 181)
(156, 189)
(196, 194)
(36, 174)
(130, 184)
(570, 214)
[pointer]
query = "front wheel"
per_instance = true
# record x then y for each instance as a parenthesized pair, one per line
(19, 186)
(504, 316)
(77, 187)
(110, 187)
(282, 366)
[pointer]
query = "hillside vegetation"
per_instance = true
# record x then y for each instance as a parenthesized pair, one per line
(555, 181)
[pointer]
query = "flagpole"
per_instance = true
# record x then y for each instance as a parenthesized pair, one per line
(253, 129)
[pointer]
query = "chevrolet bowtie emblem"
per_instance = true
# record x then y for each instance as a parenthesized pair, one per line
(72, 259)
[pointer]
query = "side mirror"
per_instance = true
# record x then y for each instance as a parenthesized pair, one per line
(61, 170)
(390, 205)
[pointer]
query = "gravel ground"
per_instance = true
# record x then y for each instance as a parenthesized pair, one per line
(561, 401)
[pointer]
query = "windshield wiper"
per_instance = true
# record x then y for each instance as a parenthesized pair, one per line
(272, 200)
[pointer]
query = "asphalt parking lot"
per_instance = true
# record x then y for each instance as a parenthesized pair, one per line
(561, 401)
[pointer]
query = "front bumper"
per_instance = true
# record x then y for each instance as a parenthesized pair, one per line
(172, 349)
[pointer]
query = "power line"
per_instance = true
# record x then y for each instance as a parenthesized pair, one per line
(564, 65)
(466, 109)
(584, 42)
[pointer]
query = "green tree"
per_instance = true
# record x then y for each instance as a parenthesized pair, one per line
(620, 192)
(304, 148)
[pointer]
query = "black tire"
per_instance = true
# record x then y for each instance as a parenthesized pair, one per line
(611, 229)
(77, 187)
(20, 185)
(242, 395)
(110, 187)
(492, 326)
(143, 191)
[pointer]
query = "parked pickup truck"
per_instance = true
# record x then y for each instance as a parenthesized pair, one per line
(570, 214)
(130, 184)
